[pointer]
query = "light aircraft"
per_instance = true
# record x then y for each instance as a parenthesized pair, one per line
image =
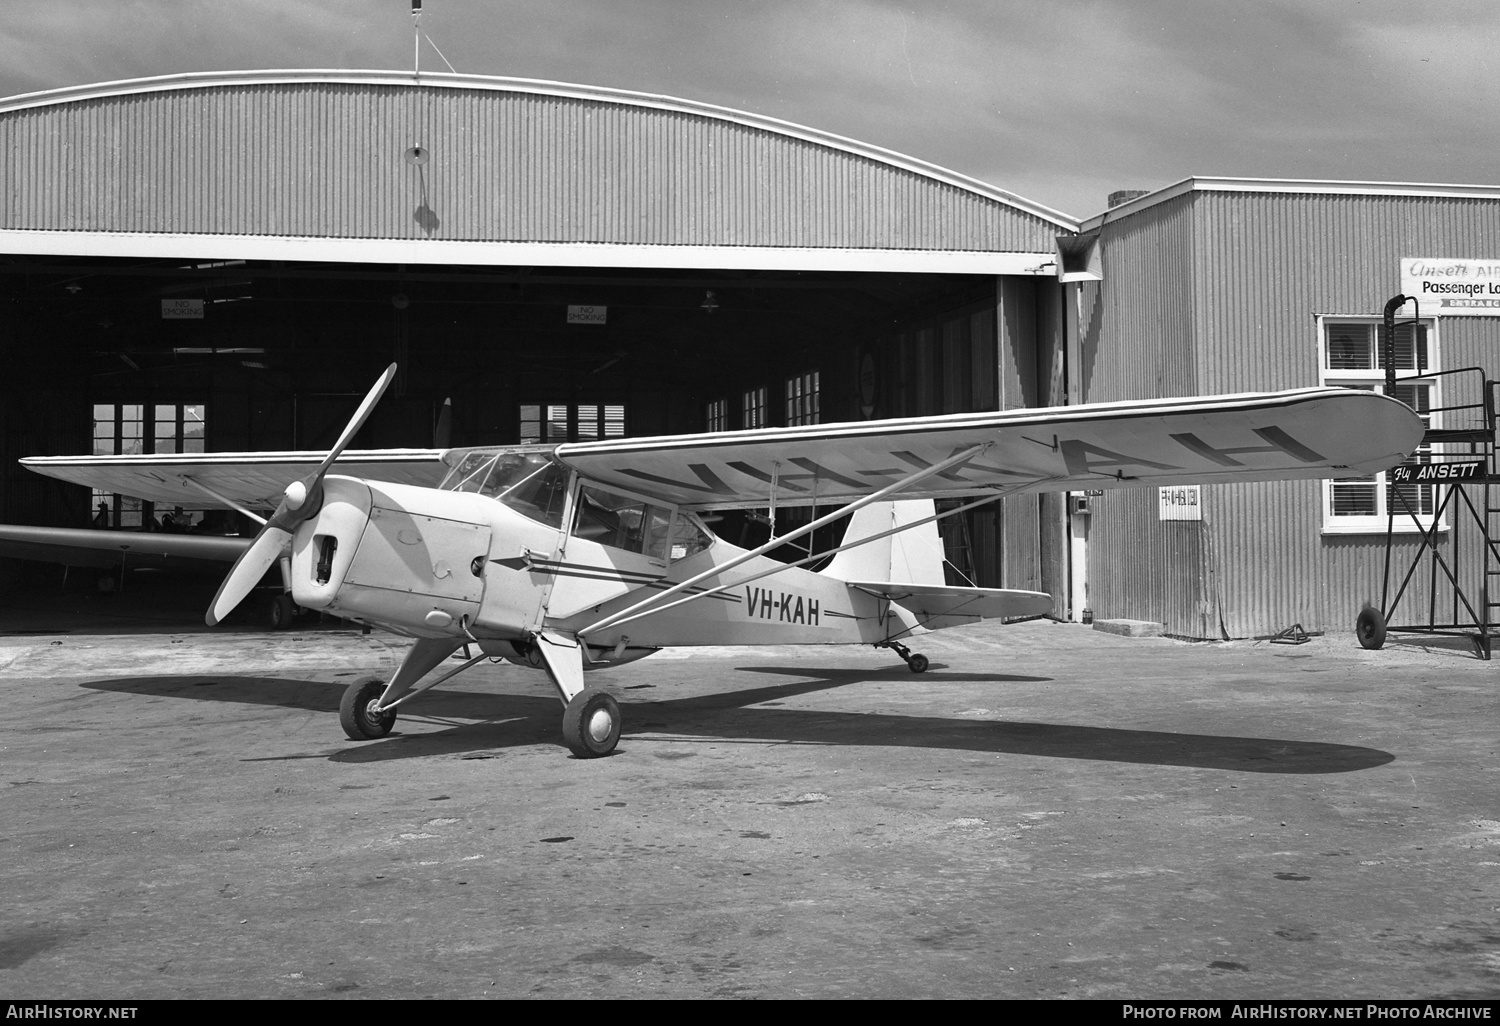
(571, 557)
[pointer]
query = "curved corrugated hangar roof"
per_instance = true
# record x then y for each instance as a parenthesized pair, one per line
(454, 169)
(260, 244)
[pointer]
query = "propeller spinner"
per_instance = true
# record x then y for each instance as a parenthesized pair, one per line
(302, 500)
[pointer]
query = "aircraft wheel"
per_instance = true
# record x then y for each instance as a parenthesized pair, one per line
(283, 611)
(918, 663)
(1370, 628)
(356, 714)
(591, 724)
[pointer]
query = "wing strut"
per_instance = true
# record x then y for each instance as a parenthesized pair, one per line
(654, 603)
(237, 507)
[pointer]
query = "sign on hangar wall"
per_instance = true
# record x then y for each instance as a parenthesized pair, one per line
(1453, 287)
(1180, 502)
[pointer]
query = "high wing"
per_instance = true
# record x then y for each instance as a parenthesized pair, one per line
(108, 549)
(1305, 433)
(255, 479)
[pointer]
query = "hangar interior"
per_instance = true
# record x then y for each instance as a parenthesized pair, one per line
(227, 261)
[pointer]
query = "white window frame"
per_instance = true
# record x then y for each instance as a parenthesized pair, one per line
(124, 510)
(804, 398)
(754, 408)
(716, 415)
(1374, 378)
(537, 430)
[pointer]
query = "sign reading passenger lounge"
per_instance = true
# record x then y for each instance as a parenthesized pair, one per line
(1453, 286)
(1429, 473)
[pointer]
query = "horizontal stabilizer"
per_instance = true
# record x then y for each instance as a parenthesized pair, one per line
(930, 602)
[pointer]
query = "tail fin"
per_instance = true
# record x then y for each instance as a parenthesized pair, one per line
(912, 556)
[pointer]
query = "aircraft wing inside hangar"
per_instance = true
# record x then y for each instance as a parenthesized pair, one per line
(111, 549)
(254, 479)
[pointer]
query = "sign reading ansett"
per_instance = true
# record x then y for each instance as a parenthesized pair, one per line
(1453, 286)
(1426, 473)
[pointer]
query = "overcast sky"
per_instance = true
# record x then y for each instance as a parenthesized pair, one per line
(1061, 101)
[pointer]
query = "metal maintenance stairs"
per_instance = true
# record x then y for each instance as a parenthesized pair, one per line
(1454, 567)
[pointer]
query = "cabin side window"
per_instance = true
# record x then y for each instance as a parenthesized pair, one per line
(623, 522)
(688, 537)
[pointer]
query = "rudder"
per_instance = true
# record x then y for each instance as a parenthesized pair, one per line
(912, 556)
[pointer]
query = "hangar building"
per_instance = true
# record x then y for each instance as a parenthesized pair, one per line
(1221, 285)
(562, 262)
(226, 261)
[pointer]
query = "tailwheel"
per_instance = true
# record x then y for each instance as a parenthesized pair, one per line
(357, 713)
(916, 662)
(591, 724)
(1370, 628)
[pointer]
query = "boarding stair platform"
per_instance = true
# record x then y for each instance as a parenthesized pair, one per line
(1451, 581)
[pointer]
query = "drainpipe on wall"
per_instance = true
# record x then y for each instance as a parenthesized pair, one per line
(1078, 522)
(1078, 558)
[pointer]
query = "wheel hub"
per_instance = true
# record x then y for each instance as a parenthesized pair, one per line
(600, 724)
(372, 710)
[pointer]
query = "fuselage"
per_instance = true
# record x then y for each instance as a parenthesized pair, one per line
(544, 549)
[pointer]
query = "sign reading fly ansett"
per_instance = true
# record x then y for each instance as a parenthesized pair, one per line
(1453, 287)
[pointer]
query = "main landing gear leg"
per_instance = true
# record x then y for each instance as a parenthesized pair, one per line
(363, 713)
(591, 718)
(915, 661)
(283, 609)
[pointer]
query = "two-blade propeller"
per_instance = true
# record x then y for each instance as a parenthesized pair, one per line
(302, 500)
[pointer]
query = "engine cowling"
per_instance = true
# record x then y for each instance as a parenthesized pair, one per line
(405, 557)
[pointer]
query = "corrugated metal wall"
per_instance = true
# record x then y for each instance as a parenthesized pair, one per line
(1137, 341)
(1225, 287)
(1269, 263)
(326, 159)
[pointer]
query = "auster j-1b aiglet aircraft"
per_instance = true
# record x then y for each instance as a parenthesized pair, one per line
(570, 557)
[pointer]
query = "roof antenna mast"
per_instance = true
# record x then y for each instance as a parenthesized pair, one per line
(416, 37)
(416, 32)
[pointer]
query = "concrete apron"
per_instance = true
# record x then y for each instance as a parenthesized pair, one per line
(1048, 812)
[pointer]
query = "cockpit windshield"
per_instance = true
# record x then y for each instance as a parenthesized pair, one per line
(528, 482)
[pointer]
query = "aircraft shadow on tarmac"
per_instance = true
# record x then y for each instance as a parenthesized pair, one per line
(749, 716)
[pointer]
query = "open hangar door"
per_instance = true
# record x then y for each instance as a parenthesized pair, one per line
(252, 355)
(274, 355)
